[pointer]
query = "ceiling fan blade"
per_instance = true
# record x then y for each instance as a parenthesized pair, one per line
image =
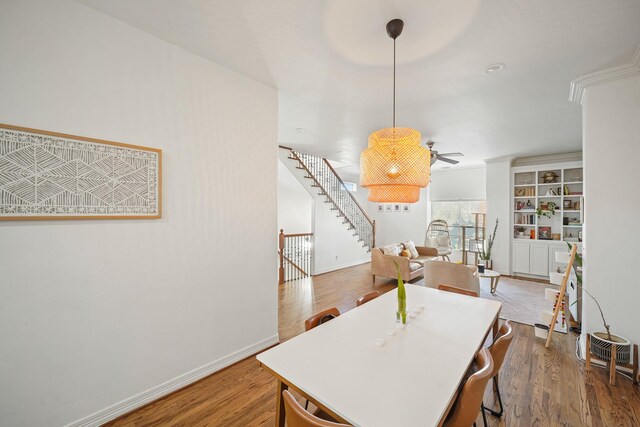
(444, 159)
(452, 154)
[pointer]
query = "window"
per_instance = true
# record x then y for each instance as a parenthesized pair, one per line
(350, 186)
(457, 213)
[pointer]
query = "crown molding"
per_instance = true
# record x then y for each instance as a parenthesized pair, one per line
(576, 90)
(549, 158)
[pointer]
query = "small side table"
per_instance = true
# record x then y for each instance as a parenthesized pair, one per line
(494, 276)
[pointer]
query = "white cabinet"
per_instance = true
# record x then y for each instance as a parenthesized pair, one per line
(536, 258)
(520, 257)
(539, 260)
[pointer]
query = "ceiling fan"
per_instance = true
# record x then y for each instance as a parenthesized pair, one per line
(435, 156)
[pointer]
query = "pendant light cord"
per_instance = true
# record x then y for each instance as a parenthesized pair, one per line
(394, 83)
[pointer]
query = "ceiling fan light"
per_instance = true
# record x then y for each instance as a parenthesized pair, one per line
(395, 166)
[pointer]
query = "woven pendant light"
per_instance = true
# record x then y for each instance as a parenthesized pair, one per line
(395, 166)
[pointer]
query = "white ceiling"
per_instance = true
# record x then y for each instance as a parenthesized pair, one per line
(331, 62)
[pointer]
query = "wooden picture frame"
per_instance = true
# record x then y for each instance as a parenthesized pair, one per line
(53, 176)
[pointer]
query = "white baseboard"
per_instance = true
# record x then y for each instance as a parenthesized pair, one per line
(112, 412)
(340, 266)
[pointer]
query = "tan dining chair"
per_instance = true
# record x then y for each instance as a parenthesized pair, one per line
(469, 401)
(449, 273)
(457, 290)
(367, 297)
(320, 318)
(297, 416)
(498, 352)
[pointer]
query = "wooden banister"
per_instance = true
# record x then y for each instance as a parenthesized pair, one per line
(295, 253)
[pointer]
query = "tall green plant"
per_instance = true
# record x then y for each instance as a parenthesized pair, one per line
(487, 255)
(401, 314)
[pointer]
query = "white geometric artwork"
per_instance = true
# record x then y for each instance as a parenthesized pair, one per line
(46, 175)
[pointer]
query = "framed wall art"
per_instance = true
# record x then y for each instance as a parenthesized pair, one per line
(48, 175)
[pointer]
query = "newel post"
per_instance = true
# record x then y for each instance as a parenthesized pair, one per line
(374, 234)
(281, 255)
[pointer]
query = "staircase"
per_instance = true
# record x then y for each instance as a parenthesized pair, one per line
(328, 184)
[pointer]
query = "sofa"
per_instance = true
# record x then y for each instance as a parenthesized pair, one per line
(383, 264)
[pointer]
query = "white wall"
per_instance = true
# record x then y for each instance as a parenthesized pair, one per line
(393, 227)
(93, 313)
(498, 184)
(458, 184)
(295, 204)
(611, 125)
(335, 245)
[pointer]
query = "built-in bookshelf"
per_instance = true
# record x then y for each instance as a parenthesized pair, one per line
(557, 190)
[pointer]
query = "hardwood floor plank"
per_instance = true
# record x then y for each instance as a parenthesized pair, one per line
(540, 387)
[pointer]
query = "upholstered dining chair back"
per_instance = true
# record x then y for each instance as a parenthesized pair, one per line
(456, 290)
(297, 416)
(469, 402)
(501, 345)
(320, 318)
(447, 273)
(366, 298)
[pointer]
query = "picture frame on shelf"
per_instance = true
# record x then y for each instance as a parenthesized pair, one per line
(544, 233)
(566, 204)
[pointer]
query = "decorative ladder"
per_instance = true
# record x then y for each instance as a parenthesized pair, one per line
(329, 185)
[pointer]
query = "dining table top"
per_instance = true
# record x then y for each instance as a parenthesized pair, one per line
(368, 370)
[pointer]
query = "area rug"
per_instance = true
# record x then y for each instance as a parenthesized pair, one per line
(521, 300)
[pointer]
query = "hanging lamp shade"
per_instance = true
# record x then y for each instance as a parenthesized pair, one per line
(395, 167)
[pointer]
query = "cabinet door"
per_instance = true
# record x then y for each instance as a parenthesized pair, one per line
(520, 257)
(539, 260)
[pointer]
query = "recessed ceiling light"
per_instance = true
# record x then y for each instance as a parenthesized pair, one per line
(493, 69)
(299, 129)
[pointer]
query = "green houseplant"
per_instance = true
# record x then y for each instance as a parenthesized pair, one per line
(486, 255)
(549, 212)
(401, 314)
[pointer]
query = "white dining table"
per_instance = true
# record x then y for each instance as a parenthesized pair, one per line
(362, 370)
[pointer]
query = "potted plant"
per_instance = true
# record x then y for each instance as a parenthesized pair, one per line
(520, 231)
(486, 255)
(603, 341)
(547, 210)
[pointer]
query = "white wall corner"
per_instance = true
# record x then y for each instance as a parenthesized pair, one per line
(578, 85)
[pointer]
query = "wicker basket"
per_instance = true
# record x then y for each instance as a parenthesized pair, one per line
(601, 347)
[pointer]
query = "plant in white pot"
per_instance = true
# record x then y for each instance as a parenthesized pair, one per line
(603, 341)
(486, 255)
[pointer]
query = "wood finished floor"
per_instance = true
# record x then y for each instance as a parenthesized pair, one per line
(540, 387)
